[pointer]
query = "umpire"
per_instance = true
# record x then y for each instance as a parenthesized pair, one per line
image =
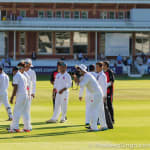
(110, 81)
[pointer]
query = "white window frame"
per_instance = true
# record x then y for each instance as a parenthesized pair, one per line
(86, 14)
(23, 11)
(56, 14)
(43, 13)
(47, 13)
(74, 14)
(104, 16)
(123, 14)
(114, 14)
(69, 14)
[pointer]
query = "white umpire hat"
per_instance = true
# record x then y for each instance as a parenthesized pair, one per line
(82, 67)
(28, 61)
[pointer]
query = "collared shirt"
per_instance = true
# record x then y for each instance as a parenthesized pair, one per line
(4, 83)
(32, 75)
(102, 80)
(20, 80)
(90, 82)
(87, 92)
(62, 81)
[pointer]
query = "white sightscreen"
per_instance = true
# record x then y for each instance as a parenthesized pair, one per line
(117, 44)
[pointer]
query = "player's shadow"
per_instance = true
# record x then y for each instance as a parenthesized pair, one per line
(44, 134)
(39, 123)
(58, 127)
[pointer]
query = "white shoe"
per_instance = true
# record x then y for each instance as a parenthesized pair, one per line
(62, 121)
(51, 121)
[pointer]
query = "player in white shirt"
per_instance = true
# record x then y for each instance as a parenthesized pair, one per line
(32, 76)
(102, 80)
(22, 63)
(4, 83)
(61, 85)
(88, 97)
(22, 101)
(32, 84)
(96, 103)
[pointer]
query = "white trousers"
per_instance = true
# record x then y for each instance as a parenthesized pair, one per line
(87, 109)
(4, 100)
(29, 113)
(96, 109)
(21, 109)
(61, 103)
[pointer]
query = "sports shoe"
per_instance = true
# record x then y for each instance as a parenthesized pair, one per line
(87, 125)
(51, 121)
(9, 119)
(103, 129)
(14, 131)
(26, 130)
(62, 121)
(92, 130)
(66, 118)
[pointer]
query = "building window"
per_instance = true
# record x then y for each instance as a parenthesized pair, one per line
(80, 42)
(62, 42)
(41, 14)
(103, 15)
(84, 14)
(67, 14)
(112, 15)
(23, 13)
(45, 43)
(58, 14)
(76, 14)
(49, 14)
(22, 43)
(142, 43)
(121, 15)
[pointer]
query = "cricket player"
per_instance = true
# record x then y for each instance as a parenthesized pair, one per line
(22, 101)
(88, 96)
(102, 80)
(62, 84)
(4, 83)
(52, 79)
(110, 84)
(22, 64)
(32, 76)
(96, 103)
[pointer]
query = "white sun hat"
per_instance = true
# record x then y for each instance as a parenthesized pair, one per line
(82, 67)
(29, 61)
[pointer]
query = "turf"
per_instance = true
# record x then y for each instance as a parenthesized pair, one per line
(132, 125)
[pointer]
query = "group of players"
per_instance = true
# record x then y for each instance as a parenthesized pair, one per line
(98, 82)
(24, 85)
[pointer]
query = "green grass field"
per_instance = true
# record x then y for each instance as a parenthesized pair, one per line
(132, 126)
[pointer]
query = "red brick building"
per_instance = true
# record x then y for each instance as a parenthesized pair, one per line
(56, 28)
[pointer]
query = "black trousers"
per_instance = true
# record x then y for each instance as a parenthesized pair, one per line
(108, 116)
(110, 105)
(54, 97)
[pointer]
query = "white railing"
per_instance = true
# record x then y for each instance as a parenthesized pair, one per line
(74, 23)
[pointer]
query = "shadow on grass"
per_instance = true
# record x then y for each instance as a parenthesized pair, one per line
(59, 127)
(45, 134)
